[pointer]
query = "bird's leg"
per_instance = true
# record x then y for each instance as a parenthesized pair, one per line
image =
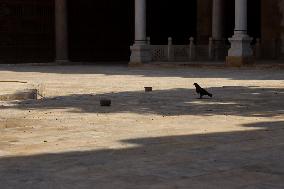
(200, 96)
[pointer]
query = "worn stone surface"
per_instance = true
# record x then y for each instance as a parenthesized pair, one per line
(26, 94)
(164, 139)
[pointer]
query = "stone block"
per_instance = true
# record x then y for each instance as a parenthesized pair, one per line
(148, 89)
(105, 102)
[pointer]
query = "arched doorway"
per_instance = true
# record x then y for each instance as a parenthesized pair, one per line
(100, 30)
(169, 18)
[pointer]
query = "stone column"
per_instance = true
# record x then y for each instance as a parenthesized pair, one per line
(217, 29)
(217, 20)
(140, 50)
(240, 52)
(61, 33)
(204, 21)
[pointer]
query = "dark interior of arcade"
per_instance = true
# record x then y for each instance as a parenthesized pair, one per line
(102, 30)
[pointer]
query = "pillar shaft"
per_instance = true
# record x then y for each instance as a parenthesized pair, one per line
(241, 16)
(217, 21)
(218, 48)
(140, 50)
(240, 52)
(61, 33)
(140, 21)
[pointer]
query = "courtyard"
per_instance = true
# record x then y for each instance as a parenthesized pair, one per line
(163, 139)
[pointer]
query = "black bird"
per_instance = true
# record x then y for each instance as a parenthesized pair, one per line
(202, 92)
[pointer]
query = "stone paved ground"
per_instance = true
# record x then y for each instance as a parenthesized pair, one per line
(162, 140)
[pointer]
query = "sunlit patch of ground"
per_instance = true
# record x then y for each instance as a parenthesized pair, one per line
(167, 138)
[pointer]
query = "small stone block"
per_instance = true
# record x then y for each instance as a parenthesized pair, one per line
(148, 89)
(105, 102)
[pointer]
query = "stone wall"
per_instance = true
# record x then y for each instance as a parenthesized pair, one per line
(26, 31)
(281, 10)
(272, 28)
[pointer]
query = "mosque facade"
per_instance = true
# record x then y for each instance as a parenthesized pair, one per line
(141, 31)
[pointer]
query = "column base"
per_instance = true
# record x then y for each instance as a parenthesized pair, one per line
(236, 61)
(135, 64)
(240, 53)
(219, 50)
(61, 61)
(140, 54)
(240, 46)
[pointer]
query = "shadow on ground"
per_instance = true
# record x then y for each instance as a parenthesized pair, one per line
(187, 72)
(248, 159)
(234, 100)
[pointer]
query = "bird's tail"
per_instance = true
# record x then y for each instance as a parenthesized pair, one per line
(211, 95)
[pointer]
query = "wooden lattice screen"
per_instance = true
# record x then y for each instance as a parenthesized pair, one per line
(26, 30)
